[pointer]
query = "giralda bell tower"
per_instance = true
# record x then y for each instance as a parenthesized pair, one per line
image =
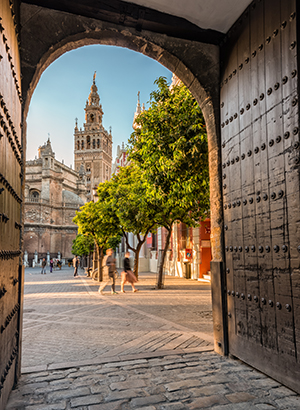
(93, 144)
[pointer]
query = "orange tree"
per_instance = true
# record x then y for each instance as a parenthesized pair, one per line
(134, 208)
(83, 245)
(98, 220)
(170, 146)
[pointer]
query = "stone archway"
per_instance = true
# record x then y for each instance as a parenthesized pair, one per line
(195, 63)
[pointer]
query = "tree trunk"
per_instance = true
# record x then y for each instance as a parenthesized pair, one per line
(100, 267)
(160, 283)
(136, 251)
(94, 260)
(99, 262)
(136, 258)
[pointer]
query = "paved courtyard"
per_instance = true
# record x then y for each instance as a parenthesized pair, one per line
(149, 350)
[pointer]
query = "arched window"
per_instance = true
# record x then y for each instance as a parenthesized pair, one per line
(82, 144)
(78, 145)
(94, 144)
(88, 142)
(34, 196)
(98, 143)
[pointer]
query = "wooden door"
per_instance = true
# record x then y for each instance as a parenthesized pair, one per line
(10, 200)
(261, 162)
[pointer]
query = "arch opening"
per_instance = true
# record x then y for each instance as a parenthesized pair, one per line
(203, 85)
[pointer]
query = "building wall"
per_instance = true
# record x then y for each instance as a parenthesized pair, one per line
(60, 191)
(196, 239)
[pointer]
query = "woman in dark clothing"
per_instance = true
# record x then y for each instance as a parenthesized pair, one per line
(127, 275)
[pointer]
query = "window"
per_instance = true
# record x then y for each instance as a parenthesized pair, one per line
(34, 196)
(88, 142)
(94, 144)
(98, 143)
(82, 144)
(78, 145)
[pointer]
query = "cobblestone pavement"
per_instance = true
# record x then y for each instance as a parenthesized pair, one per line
(150, 350)
(66, 319)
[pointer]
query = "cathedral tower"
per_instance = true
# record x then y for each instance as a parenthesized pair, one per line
(93, 144)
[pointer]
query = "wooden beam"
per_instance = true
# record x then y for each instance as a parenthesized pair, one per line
(131, 15)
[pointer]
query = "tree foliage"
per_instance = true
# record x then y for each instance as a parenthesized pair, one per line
(170, 147)
(134, 207)
(83, 245)
(100, 222)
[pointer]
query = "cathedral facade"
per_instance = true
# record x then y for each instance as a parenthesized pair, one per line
(93, 144)
(53, 194)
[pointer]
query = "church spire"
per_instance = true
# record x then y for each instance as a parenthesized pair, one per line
(94, 98)
(93, 108)
(137, 111)
(138, 106)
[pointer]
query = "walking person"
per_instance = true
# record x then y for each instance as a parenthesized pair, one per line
(75, 265)
(51, 265)
(44, 263)
(127, 274)
(111, 263)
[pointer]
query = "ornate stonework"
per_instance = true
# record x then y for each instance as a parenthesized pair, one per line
(93, 144)
(53, 193)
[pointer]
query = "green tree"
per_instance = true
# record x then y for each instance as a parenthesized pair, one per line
(134, 207)
(170, 146)
(100, 222)
(83, 245)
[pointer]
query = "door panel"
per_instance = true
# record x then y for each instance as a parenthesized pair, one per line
(262, 235)
(10, 201)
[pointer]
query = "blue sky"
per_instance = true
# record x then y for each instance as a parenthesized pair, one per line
(64, 87)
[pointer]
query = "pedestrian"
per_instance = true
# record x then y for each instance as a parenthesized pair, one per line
(75, 265)
(127, 274)
(104, 266)
(51, 265)
(111, 263)
(44, 263)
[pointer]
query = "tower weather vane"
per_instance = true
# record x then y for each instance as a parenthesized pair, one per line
(94, 77)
